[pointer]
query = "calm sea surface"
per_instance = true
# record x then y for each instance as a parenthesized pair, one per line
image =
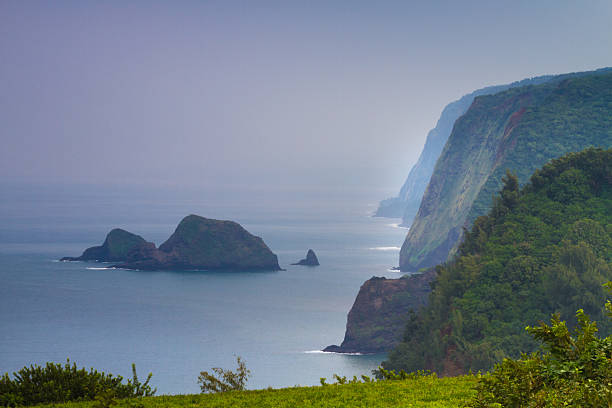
(176, 324)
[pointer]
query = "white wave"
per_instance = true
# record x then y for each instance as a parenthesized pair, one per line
(330, 352)
(99, 268)
(397, 225)
(385, 248)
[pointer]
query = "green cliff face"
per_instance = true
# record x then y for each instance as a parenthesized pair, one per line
(519, 129)
(116, 248)
(407, 203)
(542, 249)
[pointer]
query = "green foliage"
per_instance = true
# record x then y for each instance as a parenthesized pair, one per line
(569, 116)
(542, 249)
(62, 383)
(224, 380)
(422, 392)
(105, 399)
(389, 375)
(139, 389)
(572, 371)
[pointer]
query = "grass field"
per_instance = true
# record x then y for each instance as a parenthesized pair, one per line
(420, 392)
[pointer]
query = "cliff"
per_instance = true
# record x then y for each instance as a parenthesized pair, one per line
(116, 248)
(407, 202)
(518, 129)
(381, 310)
(544, 248)
(203, 243)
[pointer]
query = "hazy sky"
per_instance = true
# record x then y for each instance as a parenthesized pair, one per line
(256, 93)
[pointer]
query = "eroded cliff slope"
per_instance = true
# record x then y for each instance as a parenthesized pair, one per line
(407, 202)
(519, 129)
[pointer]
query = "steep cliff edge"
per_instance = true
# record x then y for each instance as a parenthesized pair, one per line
(407, 202)
(381, 310)
(518, 129)
(544, 248)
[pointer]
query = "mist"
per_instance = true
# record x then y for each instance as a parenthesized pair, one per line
(261, 95)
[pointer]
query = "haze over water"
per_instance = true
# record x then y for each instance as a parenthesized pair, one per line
(176, 324)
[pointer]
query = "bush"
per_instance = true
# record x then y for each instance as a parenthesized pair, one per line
(572, 371)
(224, 380)
(62, 383)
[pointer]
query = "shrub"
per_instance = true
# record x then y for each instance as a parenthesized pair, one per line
(382, 374)
(62, 383)
(224, 380)
(572, 371)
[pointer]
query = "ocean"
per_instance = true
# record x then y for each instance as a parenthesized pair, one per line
(176, 323)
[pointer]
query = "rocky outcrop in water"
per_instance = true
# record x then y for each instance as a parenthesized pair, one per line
(310, 260)
(117, 247)
(381, 310)
(198, 243)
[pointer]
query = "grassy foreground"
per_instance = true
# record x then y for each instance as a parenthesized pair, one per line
(420, 392)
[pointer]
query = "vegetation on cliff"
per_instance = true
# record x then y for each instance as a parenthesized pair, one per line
(542, 249)
(407, 202)
(571, 371)
(519, 129)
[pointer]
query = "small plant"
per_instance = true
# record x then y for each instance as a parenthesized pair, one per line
(340, 380)
(383, 374)
(388, 375)
(140, 389)
(224, 380)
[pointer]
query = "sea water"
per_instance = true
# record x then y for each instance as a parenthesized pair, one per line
(178, 323)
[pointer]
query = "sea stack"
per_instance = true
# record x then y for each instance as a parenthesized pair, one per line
(117, 247)
(198, 243)
(310, 260)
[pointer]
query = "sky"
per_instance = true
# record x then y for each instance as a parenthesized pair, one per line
(258, 94)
